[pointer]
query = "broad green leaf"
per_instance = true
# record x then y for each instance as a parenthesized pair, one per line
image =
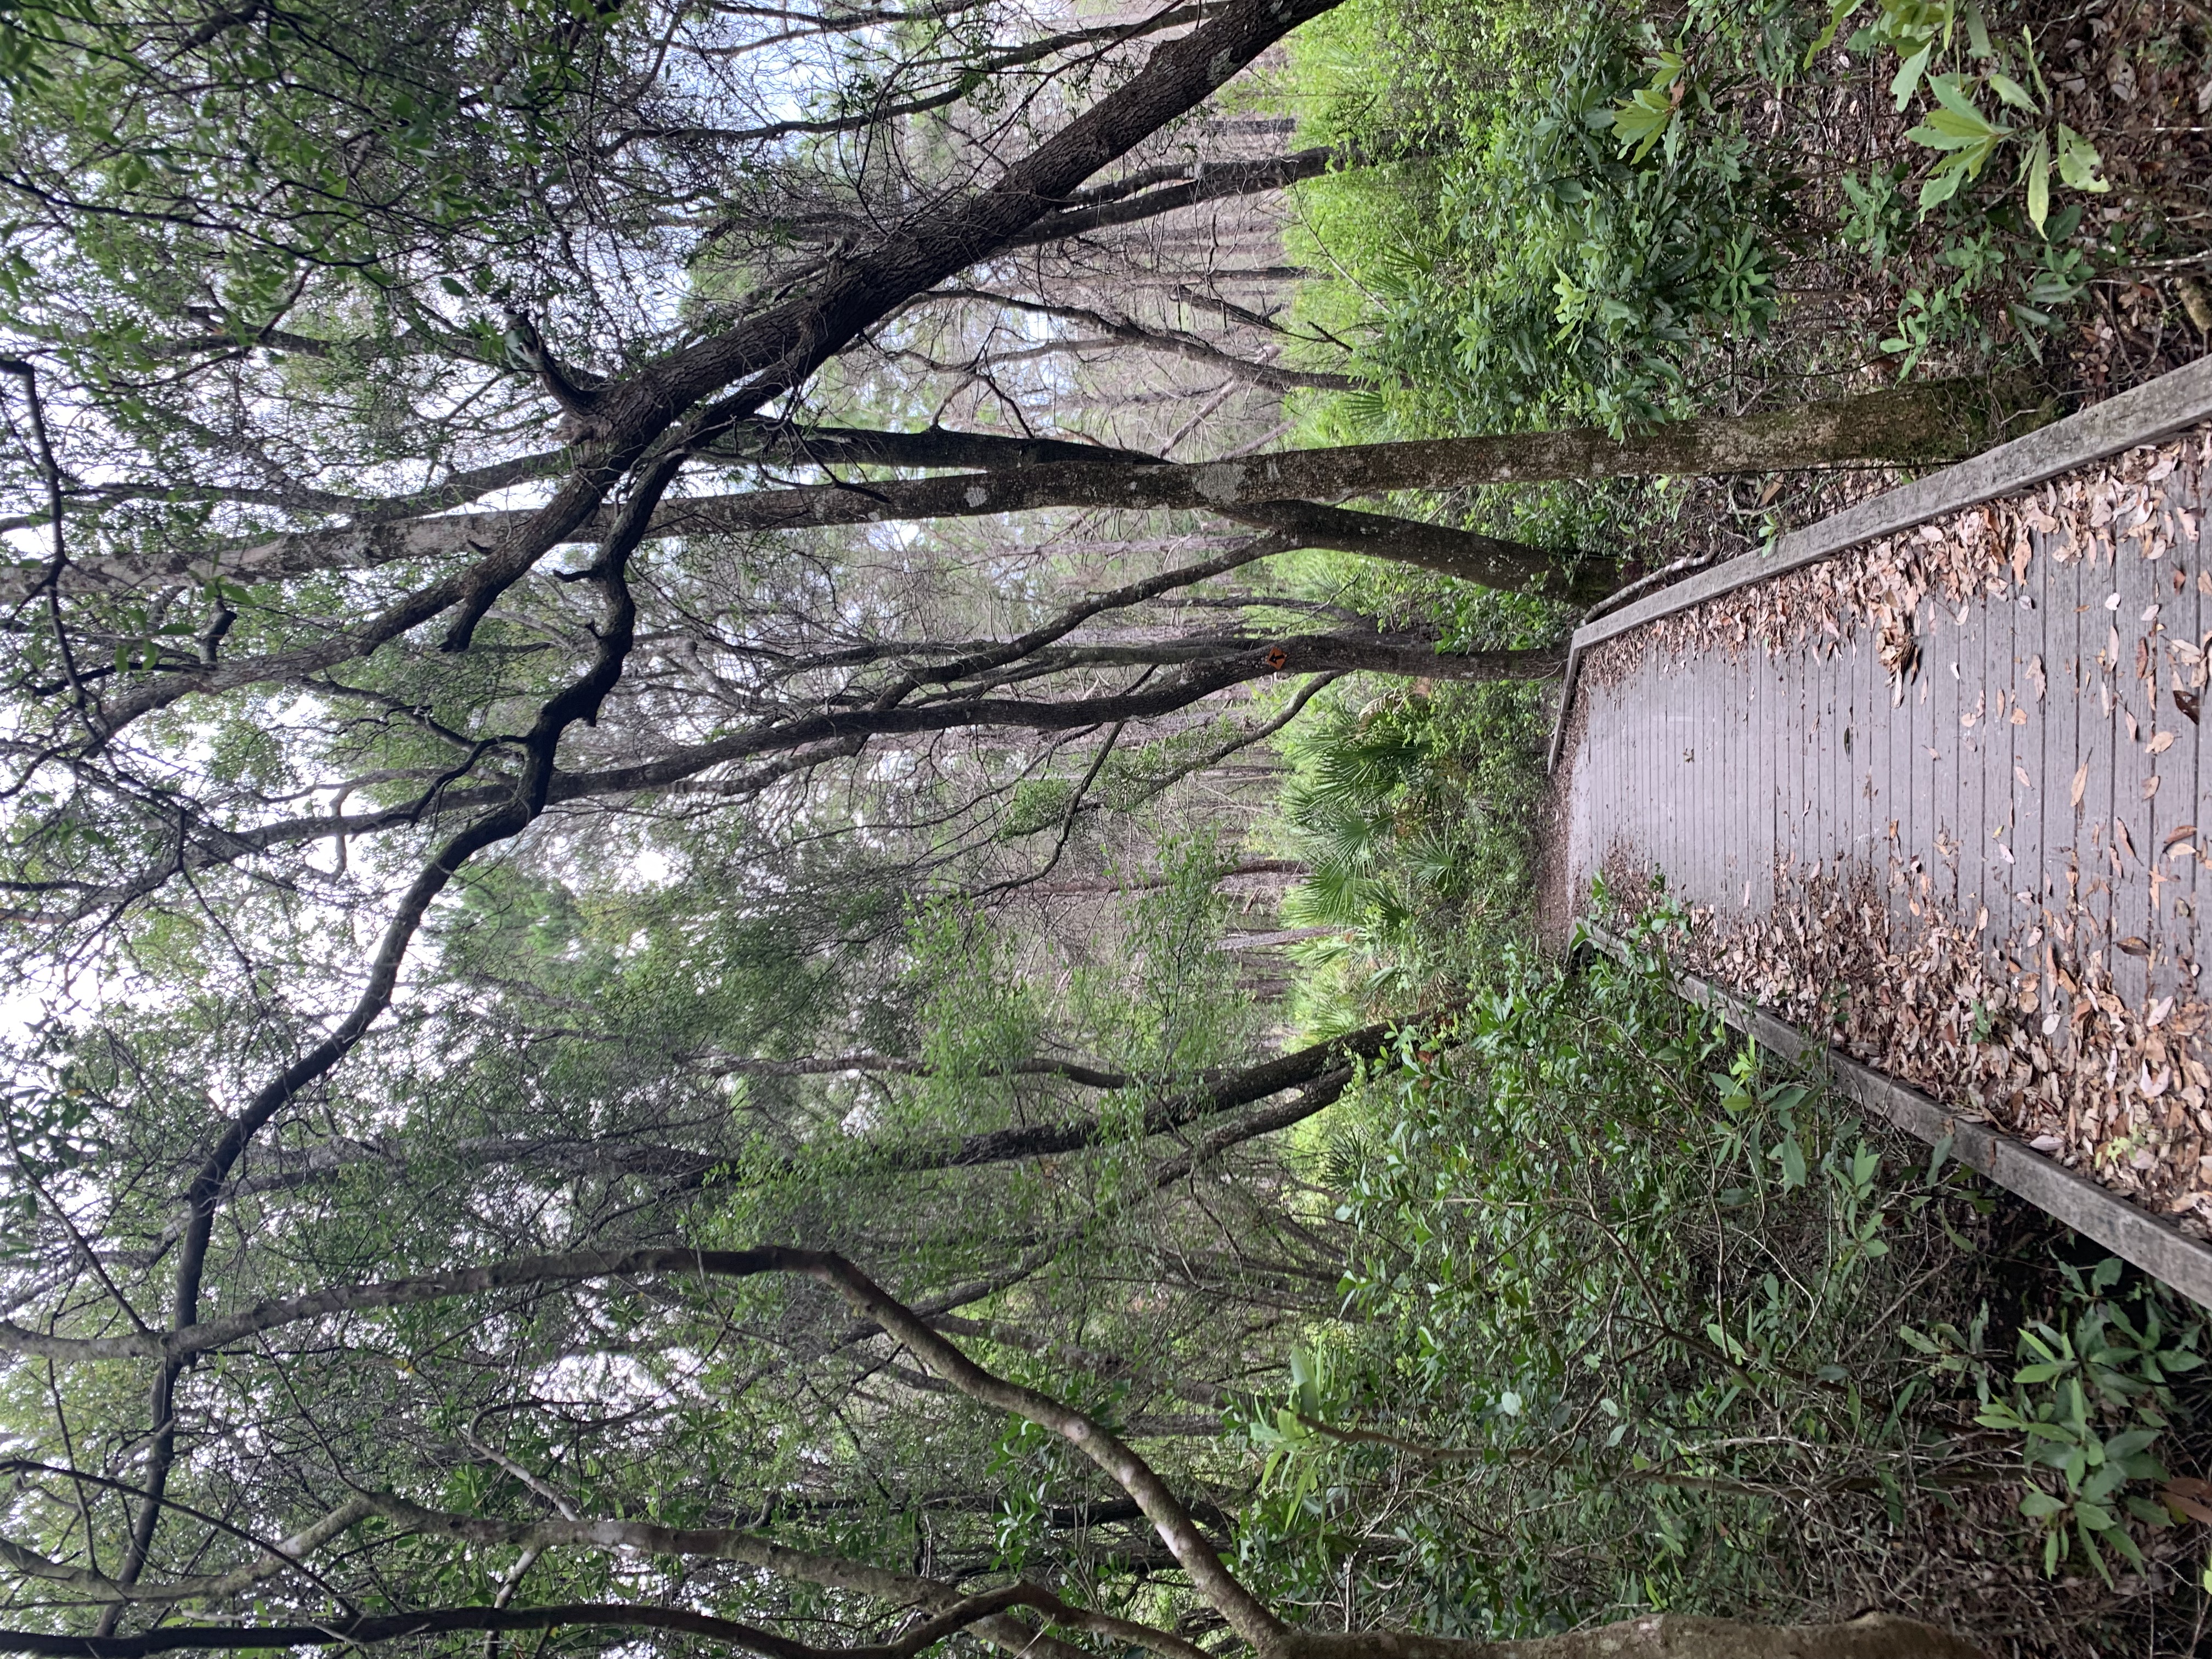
(1947, 137)
(1840, 13)
(1953, 93)
(1942, 185)
(2034, 67)
(1908, 76)
(2150, 1514)
(1792, 1157)
(2104, 1483)
(2078, 161)
(1939, 1155)
(2036, 167)
(1977, 32)
(1641, 120)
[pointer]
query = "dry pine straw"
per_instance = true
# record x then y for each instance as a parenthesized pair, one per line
(2017, 1024)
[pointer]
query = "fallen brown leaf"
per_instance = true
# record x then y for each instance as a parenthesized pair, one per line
(2187, 1507)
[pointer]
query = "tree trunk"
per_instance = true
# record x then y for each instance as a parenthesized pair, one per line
(1905, 426)
(1208, 183)
(1661, 1636)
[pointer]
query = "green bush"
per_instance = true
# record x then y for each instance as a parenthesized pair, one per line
(1597, 209)
(1416, 813)
(1524, 270)
(1637, 1319)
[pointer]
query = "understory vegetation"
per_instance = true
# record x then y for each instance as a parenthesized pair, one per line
(1637, 1318)
(1613, 215)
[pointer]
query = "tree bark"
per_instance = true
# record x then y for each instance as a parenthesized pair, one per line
(1255, 1083)
(1661, 1636)
(1904, 426)
(1209, 182)
(1172, 342)
(778, 348)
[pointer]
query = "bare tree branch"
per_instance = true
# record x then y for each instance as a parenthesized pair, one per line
(1177, 342)
(387, 1627)
(1210, 182)
(775, 349)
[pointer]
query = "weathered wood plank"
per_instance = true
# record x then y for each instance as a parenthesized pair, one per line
(2030, 731)
(2167, 405)
(2192, 615)
(1943, 753)
(1721, 767)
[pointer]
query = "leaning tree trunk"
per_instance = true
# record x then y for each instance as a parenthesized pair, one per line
(1664, 1636)
(1902, 426)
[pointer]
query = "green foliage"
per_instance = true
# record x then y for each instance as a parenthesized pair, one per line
(2091, 1406)
(398, 147)
(1596, 223)
(30, 30)
(1922, 34)
(1035, 805)
(1416, 811)
(44, 1120)
(1132, 776)
(1648, 114)
(1623, 1331)
(975, 1018)
(1570, 253)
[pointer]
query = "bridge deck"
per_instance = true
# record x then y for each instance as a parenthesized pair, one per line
(1936, 797)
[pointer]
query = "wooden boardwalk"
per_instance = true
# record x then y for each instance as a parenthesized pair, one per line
(1935, 794)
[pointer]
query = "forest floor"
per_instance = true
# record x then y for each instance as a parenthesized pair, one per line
(2135, 76)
